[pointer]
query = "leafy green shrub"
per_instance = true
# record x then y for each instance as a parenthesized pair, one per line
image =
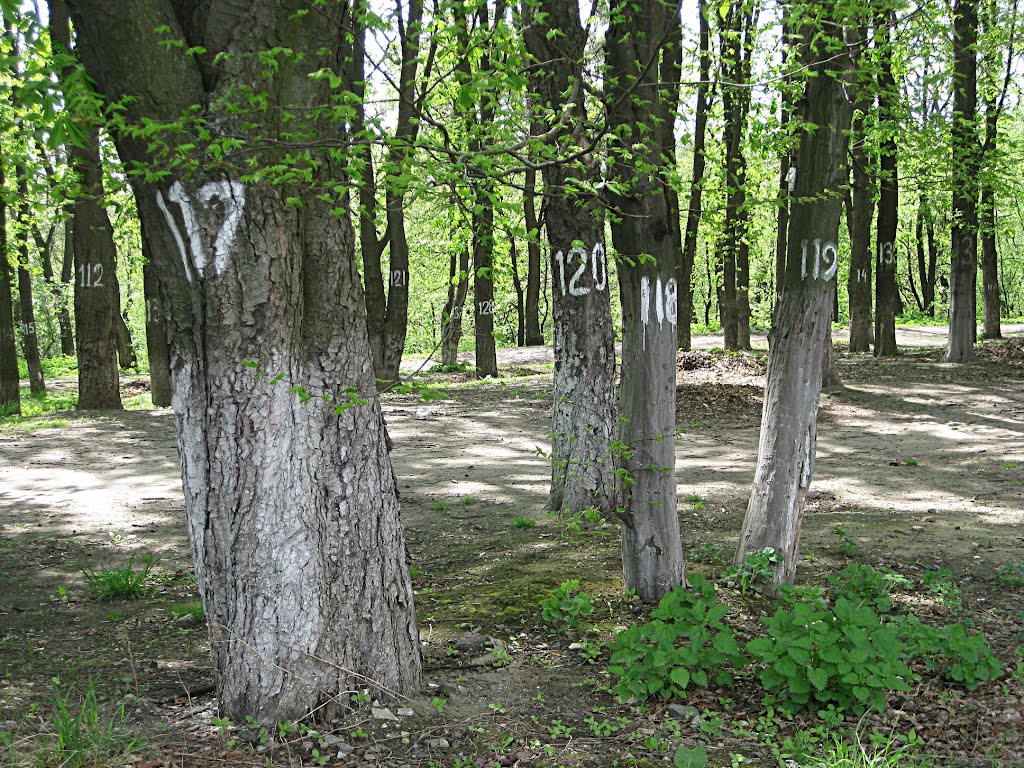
(568, 604)
(952, 651)
(940, 583)
(756, 569)
(863, 584)
(685, 643)
(816, 656)
(1009, 575)
(120, 583)
(847, 546)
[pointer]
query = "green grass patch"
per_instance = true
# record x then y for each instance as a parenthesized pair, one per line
(125, 583)
(524, 522)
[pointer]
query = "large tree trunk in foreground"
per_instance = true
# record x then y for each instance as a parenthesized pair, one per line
(652, 554)
(886, 291)
(10, 385)
(291, 505)
(963, 271)
(802, 321)
(583, 417)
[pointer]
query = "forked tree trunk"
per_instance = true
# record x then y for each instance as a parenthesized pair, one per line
(652, 554)
(156, 333)
(963, 271)
(291, 505)
(789, 424)
(125, 346)
(10, 385)
(517, 285)
(886, 291)
(451, 317)
(695, 207)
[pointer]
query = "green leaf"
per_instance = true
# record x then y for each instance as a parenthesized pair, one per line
(697, 757)
(680, 677)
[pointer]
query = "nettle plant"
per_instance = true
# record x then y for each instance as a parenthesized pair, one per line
(685, 644)
(568, 605)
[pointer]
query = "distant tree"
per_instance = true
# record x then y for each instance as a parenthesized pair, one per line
(10, 389)
(887, 295)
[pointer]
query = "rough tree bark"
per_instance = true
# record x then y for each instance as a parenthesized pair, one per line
(10, 386)
(684, 275)
(291, 505)
(67, 274)
(156, 334)
(963, 271)
(786, 451)
(652, 554)
(886, 290)
(583, 417)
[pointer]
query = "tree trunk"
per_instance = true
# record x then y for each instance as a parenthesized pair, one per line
(802, 320)
(987, 225)
(10, 385)
(486, 354)
(125, 346)
(652, 554)
(517, 285)
(695, 208)
(97, 302)
(963, 272)
(534, 334)
(886, 290)
(156, 333)
(67, 274)
(290, 495)
(29, 337)
(861, 213)
(451, 318)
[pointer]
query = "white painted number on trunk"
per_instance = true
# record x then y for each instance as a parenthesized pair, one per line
(887, 254)
(486, 307)
(90, 275)
(862, 275)
(598, 266)
(824, 262)
(666, 302)
(230, 194)
(399, 277)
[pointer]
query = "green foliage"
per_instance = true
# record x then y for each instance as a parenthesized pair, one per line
(940, 584)
(85, 733)
(687, 757)
(953, 651)
(1009, 575)
(756, 569)
(440, 506)
(191, 608)
(884, 752)
(568, 604)
(815, 656)
(862, 583)
(124, 583)
(685, 643)
(524, 522)
(847, 546)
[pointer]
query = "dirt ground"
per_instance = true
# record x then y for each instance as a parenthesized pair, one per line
(919, 462)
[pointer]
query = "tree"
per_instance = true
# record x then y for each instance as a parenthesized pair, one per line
(637, 65)
(10, 388)
(583, 419)
(534, 333)
(29, 337)
(289, 491)
(886, 289)
(785, 463)
(695, 206)
(963, 273)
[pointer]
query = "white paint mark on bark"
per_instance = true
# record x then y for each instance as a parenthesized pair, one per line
(177, 194)
(791, 178)
(232, 195)
(645, 305)
(173, 226)
(574, 288)
(825, 254)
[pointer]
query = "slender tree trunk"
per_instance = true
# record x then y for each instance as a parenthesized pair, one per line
(987, 226)
(534, 335)
(963, 272)
(786, 167)
(517, 286)
(156, 333)
(67, 274)
(451, 317)
(861, 214)
(695, 207)
(651, 549)
(29, 336)
(10, 386)
(933, 265)
(291, 505)
(125, 346)
(486, 354)
(886, 290)
(802, 320)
